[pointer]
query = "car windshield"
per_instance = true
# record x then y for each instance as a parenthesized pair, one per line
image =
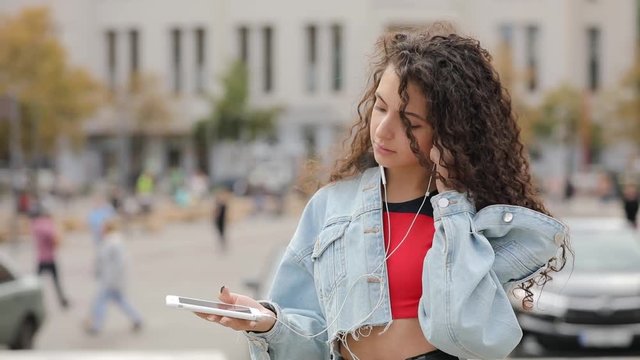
(606, 251)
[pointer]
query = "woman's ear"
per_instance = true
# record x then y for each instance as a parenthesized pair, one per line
(434, 154)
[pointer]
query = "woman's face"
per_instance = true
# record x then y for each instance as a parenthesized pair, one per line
(390, 143)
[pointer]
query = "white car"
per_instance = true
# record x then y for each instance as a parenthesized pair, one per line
(593, 302)
(22, 310)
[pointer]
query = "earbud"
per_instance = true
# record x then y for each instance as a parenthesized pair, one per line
(430, 178)
(384, 178)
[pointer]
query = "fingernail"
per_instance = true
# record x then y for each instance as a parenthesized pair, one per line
(211, 318)
(222, 289)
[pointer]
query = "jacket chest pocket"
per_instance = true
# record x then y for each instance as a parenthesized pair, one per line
(329, 259)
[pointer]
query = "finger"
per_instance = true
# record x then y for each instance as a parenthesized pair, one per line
(208, 317)
(229, 322)
(226, 296)
(214, 318)
(201, 315)
(236, 324)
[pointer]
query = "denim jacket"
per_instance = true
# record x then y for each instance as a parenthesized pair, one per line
(333, 274)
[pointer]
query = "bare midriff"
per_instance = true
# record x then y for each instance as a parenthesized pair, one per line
(403, 339)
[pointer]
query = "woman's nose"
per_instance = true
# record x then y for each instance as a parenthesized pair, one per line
(386, 127)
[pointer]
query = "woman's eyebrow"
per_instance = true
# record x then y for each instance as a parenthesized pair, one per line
(414, 115)
(380, 98)
(407, 113)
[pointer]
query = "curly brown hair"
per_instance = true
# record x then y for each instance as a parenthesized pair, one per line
(471, 116)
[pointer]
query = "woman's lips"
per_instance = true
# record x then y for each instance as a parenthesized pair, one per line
(382, 150)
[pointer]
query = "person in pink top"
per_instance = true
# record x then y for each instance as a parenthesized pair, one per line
(46, 240)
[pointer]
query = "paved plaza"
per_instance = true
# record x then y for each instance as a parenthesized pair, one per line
(180, 258)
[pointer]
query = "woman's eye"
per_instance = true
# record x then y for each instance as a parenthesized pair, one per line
(416, 126)
(378, 108)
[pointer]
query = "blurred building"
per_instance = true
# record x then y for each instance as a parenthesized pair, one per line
(310, 58)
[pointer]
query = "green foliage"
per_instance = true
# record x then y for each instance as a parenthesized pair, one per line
(560, 108)
(34, 67)
(628, 107)
(232, 119)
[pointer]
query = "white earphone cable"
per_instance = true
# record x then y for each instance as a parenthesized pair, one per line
(374, 274)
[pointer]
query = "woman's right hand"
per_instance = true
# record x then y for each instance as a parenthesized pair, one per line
(263, 324)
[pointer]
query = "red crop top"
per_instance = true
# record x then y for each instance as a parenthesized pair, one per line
(404, 267)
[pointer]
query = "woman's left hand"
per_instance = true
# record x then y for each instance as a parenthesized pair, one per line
(261, 325)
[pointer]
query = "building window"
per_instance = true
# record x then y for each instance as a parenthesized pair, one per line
(201, 58)
(111, 59)
(312, 58)
(532, 35)
(337, 55)
(504, 55)
(176, 47)
(243, 39)
(506, 34)
(593, 58)
(134, 53)
(267, 33)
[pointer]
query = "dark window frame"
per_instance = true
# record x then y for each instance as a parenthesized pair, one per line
(594, 52)
(243, 43)
(176, 59)
(337, 55)
(111, 38)
(268, 53)
(532, 40)
(200, 34)
(311, 58)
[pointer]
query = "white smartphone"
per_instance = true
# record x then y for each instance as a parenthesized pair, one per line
(214, 307)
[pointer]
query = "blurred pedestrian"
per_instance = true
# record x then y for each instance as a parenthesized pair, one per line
(23, 205)
(220, 211)
(111, 273)
(47, 240)
(569, 189)
(199, 186)
(100, 212)
(631, 203)
(144, 189)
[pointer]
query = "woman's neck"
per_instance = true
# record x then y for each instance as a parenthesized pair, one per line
(406, 184)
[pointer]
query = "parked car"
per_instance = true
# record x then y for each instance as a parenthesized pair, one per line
(22, 310)
(593, 302)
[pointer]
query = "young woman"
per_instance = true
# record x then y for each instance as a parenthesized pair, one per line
(407, 252)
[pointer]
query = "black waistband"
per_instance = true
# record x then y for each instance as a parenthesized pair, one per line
(434, 355)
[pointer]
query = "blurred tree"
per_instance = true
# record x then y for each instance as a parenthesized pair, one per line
(232, 118)
(563, 119)
(559, 114)
(526, 115)
(54, 95)
(145, 104)
(628, 107)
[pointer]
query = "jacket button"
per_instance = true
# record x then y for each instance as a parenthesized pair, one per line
(507, 217)
(559, 238)
(443, 202)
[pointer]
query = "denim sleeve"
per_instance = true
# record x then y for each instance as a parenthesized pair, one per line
(293, 296)
(464, 309)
